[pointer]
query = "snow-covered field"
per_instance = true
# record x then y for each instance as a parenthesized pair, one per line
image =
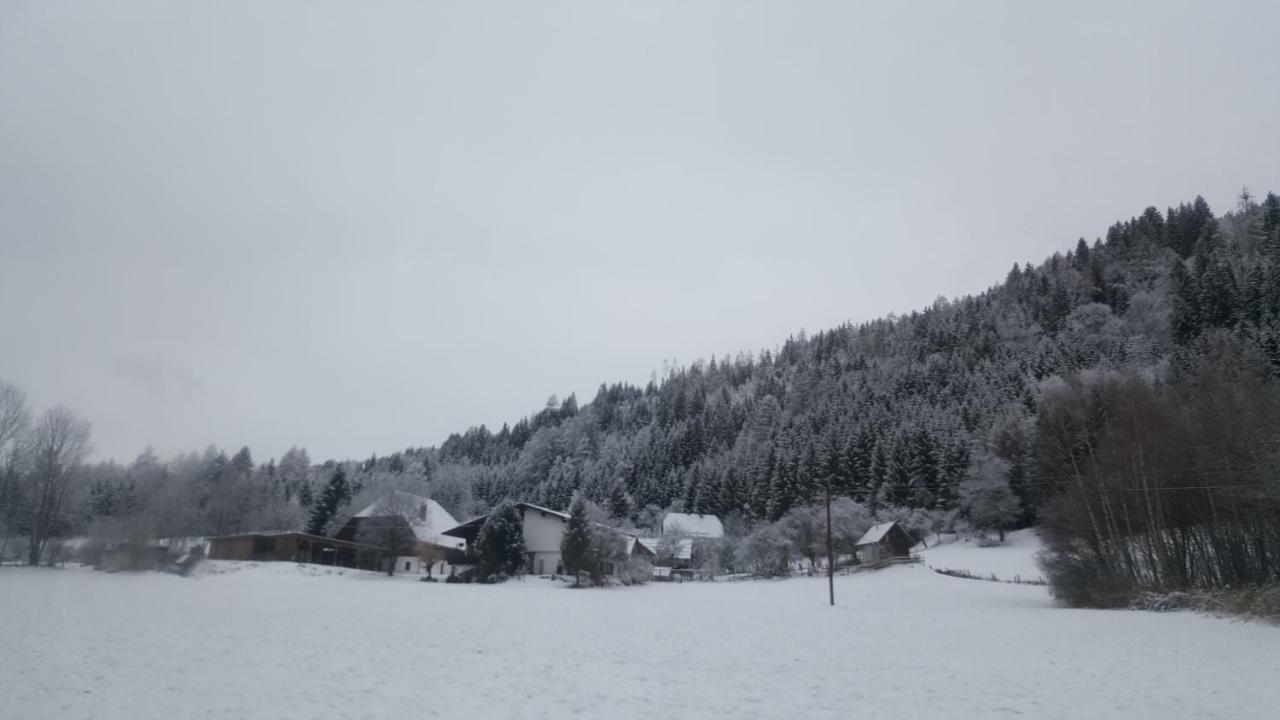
(1014, 559)
(274, 641)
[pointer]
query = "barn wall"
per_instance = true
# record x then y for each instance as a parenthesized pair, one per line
(285, 548)
(231, 549)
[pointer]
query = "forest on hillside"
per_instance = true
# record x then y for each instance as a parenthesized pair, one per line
(1121, 389)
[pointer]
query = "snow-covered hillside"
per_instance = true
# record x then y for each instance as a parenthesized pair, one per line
(1014, 559)
(275, 641)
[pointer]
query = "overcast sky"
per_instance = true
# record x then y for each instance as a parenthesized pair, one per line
(358, 227)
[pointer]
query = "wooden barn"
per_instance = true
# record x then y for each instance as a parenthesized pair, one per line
(883, 541)
(294, 547)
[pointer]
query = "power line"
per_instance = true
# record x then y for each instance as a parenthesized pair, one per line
(1194, 446)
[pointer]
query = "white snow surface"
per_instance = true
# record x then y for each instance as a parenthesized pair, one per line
(1014, 559)
(281, 641)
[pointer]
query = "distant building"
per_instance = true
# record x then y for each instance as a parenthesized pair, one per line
(683, 536)
(543, 532)
(293, 547)
(883, 541)
(434, 552)
(692, 525)
(638, 547)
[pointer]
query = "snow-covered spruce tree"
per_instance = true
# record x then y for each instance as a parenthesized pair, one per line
(575, 548)
(590, 546)
(335, 493)
(500, 544)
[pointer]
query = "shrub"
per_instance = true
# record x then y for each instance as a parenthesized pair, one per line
(1079, 580)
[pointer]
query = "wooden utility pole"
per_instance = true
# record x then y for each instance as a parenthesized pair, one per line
(831, 560)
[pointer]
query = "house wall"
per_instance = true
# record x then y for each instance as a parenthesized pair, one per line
(543, 534)
(412, 565)
(545, 563)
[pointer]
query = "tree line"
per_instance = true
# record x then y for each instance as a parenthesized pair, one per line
(937, 417)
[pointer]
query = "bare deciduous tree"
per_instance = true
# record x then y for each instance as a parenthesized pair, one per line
(56, 446)
(14, 415)
(391, 527)
(14, 419)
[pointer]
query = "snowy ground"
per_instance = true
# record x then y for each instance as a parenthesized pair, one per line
(1010, 560)
(276, 642)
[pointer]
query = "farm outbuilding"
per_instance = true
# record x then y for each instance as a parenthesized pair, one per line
(883, 541)
(434, 553)
(294, 547)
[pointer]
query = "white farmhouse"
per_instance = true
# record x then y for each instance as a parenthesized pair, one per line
(543, 532)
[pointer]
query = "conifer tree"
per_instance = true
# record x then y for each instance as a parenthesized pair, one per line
(1186, 304)
(335, 493)
(500, 544)
(575, 548)
(1218, 295)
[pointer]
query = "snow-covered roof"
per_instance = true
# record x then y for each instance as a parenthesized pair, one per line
(428, 518)
(692, 524)
(539, 508)
(683, 549)
(875, 534)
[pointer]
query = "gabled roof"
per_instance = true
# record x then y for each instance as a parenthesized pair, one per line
(681, 548)
(428, 519)
(539, 508)
(469, 528)
(693, 524)
(875, 534)
(635, 544)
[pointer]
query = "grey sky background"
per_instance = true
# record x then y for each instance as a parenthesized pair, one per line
(357, 227)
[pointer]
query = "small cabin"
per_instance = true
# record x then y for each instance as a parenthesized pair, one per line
(883, 541)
